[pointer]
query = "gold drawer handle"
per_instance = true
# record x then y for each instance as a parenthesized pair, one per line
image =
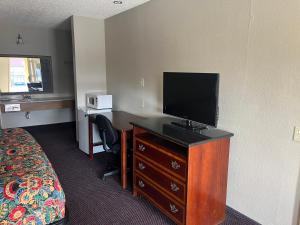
(174, 187)
(173, 208)
(142, 166)
(175, 165)
(142, 148)
(141, 184)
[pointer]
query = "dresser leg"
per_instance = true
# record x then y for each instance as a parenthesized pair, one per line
(134, 193)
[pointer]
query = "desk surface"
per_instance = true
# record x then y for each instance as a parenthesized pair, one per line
(121, 120)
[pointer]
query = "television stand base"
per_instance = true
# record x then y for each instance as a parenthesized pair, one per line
(189, 125)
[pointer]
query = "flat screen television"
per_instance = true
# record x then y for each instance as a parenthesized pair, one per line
(191, 96)
(20, 74)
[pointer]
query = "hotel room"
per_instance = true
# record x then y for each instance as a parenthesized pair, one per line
(149, 112)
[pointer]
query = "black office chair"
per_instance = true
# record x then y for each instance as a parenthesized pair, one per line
(110, 138)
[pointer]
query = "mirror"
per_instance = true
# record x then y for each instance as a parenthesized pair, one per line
(25, 74)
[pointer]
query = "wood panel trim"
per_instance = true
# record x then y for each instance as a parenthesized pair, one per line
(124, 159)
(211, 160)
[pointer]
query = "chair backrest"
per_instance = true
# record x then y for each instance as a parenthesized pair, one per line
(105, 128)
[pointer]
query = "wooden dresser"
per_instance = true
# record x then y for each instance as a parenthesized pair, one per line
(182, 173)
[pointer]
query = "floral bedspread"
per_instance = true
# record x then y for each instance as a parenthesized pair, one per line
(30, 192)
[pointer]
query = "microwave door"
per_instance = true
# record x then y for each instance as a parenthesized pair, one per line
(92, 101)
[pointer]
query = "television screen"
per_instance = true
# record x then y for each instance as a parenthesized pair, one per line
(192, 96)
(25, 74)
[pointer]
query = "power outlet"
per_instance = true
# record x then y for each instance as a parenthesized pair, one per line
(143, 103)
(142, 82)
(297, 134)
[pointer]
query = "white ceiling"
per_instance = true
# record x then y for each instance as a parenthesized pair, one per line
(55, 13)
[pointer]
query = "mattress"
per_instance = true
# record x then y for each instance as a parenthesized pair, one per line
(30, 192)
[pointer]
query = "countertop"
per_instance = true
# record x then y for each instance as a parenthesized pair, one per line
(33, 100)
(8, 105)
(163, 127)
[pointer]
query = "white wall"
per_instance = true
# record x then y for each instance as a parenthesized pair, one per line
(48, 42)
(254, 45)
(89, 56)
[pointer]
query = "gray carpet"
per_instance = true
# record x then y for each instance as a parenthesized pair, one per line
(91, 201)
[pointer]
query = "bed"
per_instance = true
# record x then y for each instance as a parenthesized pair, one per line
(30, 192)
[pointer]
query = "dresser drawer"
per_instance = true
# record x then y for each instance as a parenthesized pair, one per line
(173, 187)
(165, 159)
(174, 210)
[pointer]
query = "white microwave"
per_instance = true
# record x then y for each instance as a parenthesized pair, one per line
(98, 101)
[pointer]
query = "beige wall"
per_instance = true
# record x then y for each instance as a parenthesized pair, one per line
(88, 37)
(4, 75)
(254, 45)
(89, 56)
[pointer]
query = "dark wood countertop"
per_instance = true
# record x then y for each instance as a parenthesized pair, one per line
(162, 126)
